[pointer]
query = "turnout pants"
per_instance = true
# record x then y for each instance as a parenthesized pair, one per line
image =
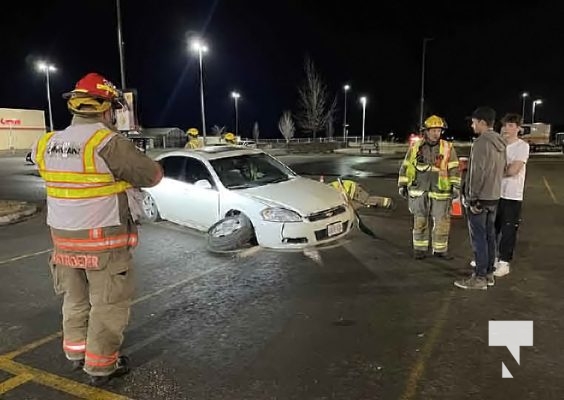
(423, 208)
(96, 304)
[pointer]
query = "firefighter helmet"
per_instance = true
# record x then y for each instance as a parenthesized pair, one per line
(230, 137)
(192, 132)
(93, 94)
(434, 121)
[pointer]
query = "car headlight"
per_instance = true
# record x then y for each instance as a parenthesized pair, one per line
(280, 215)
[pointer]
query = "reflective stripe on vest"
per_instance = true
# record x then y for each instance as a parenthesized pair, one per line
(411, 165)
(93, 245)
(105, 184)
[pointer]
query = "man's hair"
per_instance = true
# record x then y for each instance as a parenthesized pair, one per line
(512, 118)
(485, 114)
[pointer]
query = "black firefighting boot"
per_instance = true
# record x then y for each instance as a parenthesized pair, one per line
(444, 256)
(121, 369)
(419, 255)
(77, 365)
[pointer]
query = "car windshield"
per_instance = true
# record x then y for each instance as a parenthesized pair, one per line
(250, 170)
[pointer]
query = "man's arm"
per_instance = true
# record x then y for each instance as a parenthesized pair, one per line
(516, 166)
(477, 172)
(129, 164)
(403, 179)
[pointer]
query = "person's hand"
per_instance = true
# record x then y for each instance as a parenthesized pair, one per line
(476, 207)
(403, 192)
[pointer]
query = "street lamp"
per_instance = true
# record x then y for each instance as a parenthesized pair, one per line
(47, 68)
(422, 100)
(363, 102)
(538, 101)
(199, 47)
(236, 96)
(524, 95)
(346, 88)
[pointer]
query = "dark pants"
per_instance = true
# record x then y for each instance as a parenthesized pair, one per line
(507, 222)
(483, 238)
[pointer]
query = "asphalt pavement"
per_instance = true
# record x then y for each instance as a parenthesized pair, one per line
(358, 321)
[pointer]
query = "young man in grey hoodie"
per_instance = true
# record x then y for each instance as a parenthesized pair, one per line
(481, 193)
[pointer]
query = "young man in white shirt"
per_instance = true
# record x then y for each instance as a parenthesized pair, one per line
(512, 188)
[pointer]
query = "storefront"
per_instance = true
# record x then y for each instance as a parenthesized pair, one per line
(19, 129)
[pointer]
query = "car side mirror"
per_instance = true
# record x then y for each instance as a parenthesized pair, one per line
(203, 184)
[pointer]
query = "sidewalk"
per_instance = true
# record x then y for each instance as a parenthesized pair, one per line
(15, 211)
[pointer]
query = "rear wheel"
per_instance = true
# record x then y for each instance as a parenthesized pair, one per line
(231, 233)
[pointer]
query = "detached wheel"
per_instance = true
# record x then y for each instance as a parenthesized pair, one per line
(231, 233)
(150, 210)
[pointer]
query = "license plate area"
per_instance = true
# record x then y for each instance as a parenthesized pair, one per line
(335, 229)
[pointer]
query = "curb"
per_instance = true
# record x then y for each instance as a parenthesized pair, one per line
(25, 210)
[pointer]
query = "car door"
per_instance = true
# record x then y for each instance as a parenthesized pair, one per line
(166, 192)
(198, 201)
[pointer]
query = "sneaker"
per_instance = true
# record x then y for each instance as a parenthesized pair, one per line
(502, 268)
(419, 255)
(490, 279)
(122, 368)
(473, 263)
(474, 282)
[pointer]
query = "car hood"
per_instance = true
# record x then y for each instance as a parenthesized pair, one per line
(302, 195)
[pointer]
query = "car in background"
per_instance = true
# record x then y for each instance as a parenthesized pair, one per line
(238, 194)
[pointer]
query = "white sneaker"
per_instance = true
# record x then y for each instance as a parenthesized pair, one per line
(473, 263)
(502, 268)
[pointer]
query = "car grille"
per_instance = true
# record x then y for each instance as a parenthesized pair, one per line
(318, 216)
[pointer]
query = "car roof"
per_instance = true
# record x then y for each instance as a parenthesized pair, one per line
(212, 152)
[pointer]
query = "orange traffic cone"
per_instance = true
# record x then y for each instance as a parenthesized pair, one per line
(456, 209)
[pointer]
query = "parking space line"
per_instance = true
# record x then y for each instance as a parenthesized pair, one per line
(14, 382)
(31, 346)
(547, 185)
(58, 382)
(11, 260)
(419, 368)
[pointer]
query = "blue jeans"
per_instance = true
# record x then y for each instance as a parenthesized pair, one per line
(483, 238)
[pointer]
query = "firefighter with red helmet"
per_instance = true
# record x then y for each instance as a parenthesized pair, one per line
(429, 179)
(91, 173)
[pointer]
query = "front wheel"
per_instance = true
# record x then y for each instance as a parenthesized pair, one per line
(150, 210)
(231, 233)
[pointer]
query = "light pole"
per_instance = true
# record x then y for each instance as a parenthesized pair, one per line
(236, 96)
(363, 102)
(199, 47)
(47, 68)
(346, 88)
(524, 95)
(422, 101)
(120, 45)
(538, 101)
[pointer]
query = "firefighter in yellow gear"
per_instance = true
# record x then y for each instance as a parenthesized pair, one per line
(230, 138)
(194, 141)
(92, 175)
(359, 196)
(429, 179)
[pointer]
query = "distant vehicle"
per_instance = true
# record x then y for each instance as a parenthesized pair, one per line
(235, 193)
(540, 139)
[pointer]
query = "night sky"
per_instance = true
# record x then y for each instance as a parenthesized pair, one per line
(483, 53)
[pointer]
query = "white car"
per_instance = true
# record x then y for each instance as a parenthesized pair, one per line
(203, 188)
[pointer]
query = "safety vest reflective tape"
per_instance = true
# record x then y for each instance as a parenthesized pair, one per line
(87, 193)
(102, 244)
(76, 177)
(41, 148)
(90, 147)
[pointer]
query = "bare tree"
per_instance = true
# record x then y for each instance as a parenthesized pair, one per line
(217, 130)
(286, 125)
(313, 103)
(256, 131)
